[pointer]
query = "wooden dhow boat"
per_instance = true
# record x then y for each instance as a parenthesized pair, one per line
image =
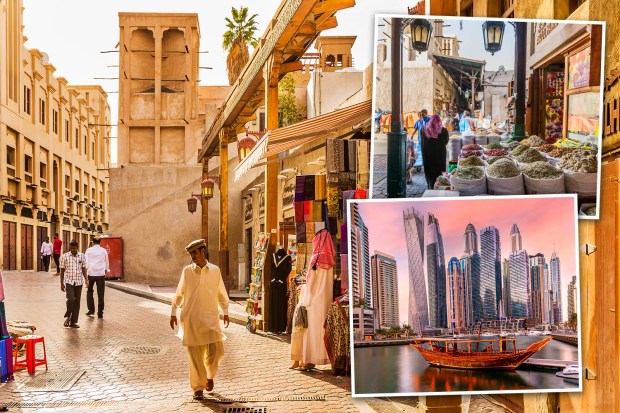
(465, 354)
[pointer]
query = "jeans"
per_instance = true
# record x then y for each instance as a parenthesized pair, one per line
(74, 295)
(57, 262)
(46, 262)
(90, 299)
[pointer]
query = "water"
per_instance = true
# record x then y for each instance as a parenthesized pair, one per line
(401, 369)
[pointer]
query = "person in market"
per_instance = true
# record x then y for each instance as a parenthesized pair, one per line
(57, 250)
(467, 123)
(434, 153)
(98, 265)
(201, 290)
(46, 253)
(420, 123)
(72, 278)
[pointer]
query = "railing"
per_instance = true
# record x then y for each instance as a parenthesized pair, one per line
(508, 8)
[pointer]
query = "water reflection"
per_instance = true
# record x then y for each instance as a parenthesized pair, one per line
(401, 369)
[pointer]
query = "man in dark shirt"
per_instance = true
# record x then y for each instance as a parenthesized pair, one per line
(57, 250)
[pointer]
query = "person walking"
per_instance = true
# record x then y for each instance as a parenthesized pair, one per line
(201, 290)
(434, 152)
(57, 250)
(46, 253)
(72, 277)
(98, 265)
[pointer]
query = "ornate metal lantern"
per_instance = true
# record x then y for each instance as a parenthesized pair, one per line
(493, 34)
(421, 30)
(244, 146)
(192, 203)
(207, 188)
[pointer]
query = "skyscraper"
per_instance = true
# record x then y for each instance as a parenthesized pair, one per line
(547, 296)
(518, 284)
(360, 258)
(515, 238)
(455, 294)
(571, 298)
(470, 268)
(435, 273)
(506, 289)
(385, 278)
(490, 272)
(471, 239)
(556, 295)
(418, 303)
(537, 283)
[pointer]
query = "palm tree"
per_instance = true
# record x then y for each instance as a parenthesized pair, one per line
(380, 332)
(240, 33)
(572, 321)
(407, 330)
(395, 331)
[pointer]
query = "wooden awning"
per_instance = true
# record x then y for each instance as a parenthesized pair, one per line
(338, 124)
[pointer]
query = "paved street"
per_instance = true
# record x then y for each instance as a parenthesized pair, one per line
(255, 366)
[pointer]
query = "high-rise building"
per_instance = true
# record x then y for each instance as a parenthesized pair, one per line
(385, 277)
(537, 283)
(360, 259)
(435, 273)
(571, 298)
(455, 294)
(418, 303)
(490, 272)
(515, 238)
(506, 289)
(547, 296)
(471, 240)
(518, 290)
(556, 287)
(470, 268)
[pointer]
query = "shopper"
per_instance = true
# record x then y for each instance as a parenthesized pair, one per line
(98, 265)
(421, 122)
(46, 253)
(201, 290)
(435, 138)
(317, 298)
(467, 123)
(57, 250)
(72, 277)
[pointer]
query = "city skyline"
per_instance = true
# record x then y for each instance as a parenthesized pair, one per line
(540, 221)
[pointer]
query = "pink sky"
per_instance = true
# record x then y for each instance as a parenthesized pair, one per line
(541, 221)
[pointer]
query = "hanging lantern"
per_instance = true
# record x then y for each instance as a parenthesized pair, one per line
(244, 146)
(207, 188)
(467, 94)
(421, 30)
(493, 34)
(192, 203)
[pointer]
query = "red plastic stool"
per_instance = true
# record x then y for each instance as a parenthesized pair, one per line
(30, 362)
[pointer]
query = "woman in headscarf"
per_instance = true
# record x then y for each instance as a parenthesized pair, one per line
(435, 138)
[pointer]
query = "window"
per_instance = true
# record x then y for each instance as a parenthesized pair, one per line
(54, 121)
(67, 185)
(85, 144)
(92, 153)
(41, 111)
(10, 161)
(77, 187)
(27, 99)
(85, 190)
(92, 194)
(77, 137)
(28, 168)
(67, 130)
(43, 174)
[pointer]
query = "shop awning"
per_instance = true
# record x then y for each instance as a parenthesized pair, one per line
(461, 70)
(338, 124)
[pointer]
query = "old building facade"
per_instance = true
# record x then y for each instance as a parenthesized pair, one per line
(54, 151)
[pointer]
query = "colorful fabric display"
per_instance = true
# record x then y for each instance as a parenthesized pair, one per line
(352, 158)
(299, 211)
(319, 187)
(310, 231)
(307, 211)
(344, 272)
(300, 229)
(331, 161)
(360, 194)
(317, 211)
(344, 239)
(332, 201)
(309, 188)
(363, 164)
(300, 187)
(349, 194)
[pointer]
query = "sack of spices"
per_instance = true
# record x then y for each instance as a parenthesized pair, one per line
(580, 172)
(481, 139)
(454, 148)
(469, 180)
(504, 178)
(542, 178)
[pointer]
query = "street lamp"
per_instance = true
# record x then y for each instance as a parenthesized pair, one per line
(421, 30)
(206, 187)
(192, 203)
(245, 146)
(493, 34)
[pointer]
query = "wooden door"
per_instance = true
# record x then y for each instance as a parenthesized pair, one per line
(9, 247)
(66, 238)
(84, 245)
(26, 238)
(41, 235)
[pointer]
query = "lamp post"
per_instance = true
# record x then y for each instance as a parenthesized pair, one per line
(493, 34)
(421, 30)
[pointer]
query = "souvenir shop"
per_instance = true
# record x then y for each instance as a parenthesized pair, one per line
(317, 174)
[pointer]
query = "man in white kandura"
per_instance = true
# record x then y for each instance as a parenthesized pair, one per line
(201, 290)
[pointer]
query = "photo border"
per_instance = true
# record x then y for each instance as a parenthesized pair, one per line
(507, 198)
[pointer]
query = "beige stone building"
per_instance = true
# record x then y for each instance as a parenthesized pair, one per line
(54, 151)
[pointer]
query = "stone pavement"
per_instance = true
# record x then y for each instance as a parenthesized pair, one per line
(379, 180)
(255, 365)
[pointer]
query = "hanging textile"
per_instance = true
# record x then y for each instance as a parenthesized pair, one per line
(336, 339)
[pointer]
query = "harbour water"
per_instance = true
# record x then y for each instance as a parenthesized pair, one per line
(401, 369)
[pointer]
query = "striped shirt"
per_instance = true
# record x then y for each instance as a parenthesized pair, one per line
(73, 265)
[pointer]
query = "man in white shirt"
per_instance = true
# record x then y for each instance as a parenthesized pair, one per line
(201, 290)
(46, 253)
(98, 264)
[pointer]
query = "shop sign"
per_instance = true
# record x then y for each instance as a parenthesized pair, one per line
(579, 69)
(261, 204)
(288, 194)
(247, 209)
(543, 30)
(611, 109)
